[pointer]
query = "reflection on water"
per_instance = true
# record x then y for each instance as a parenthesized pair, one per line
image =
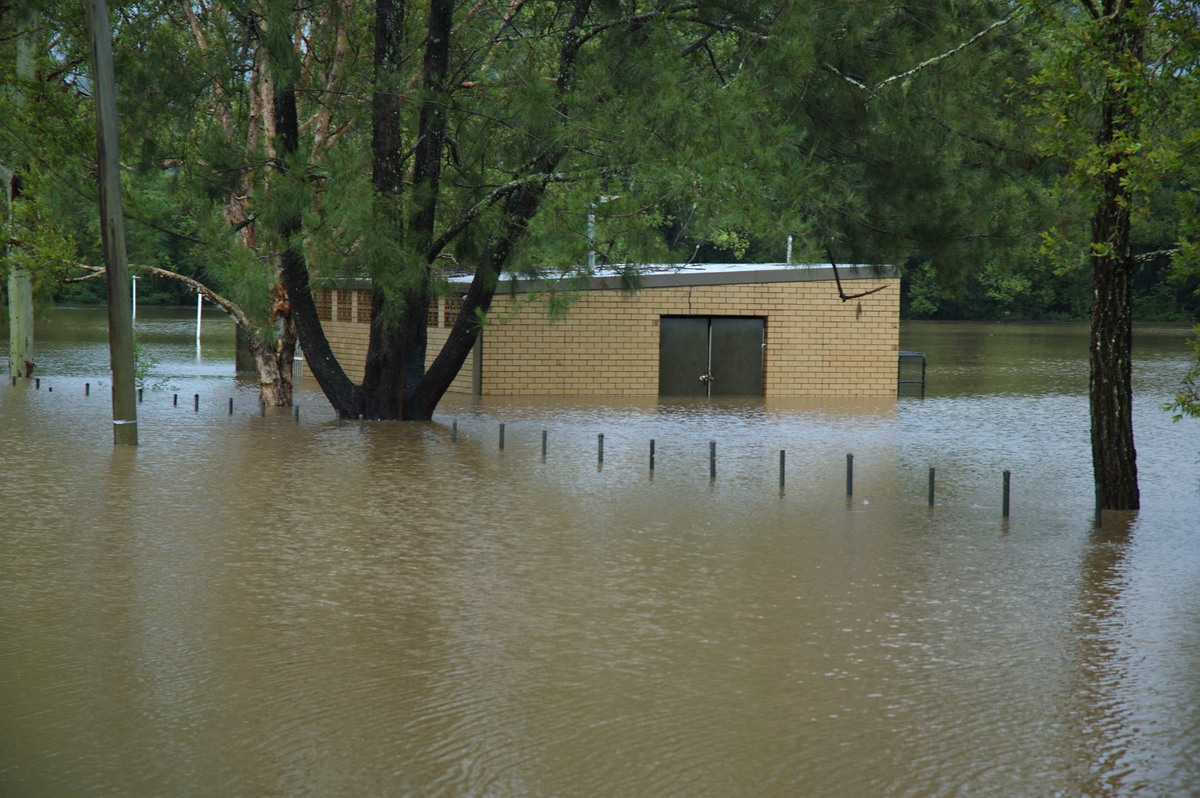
(255, 606)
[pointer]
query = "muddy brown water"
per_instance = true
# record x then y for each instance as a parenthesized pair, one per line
(258, 606)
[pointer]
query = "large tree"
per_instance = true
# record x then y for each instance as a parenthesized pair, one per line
(495, 127)
(492, 133)
(1119, 101)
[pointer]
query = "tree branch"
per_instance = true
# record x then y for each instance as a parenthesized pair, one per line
(928, 62)
(230, 308)
(497, 194)
(846, 297)
(951, 52)
(1146, 257)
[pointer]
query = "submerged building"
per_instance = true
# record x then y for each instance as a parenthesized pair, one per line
(699, 330)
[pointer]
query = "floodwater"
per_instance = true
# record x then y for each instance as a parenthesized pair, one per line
(271, 606)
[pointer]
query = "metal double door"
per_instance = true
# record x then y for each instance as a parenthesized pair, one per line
(710, 356)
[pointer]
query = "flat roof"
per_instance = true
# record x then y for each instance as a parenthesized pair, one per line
(659, 275)
(666, 275)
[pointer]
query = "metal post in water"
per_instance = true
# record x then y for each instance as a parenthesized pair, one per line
(454, 431)
(297, 414)
(262, 409)
(712, 460)
(140, 395)
(1007, 492)
(231, 405)
(175, 400)
(87, 389)
(362, 424)
(849, 475)
(502, 437)
(782, 468)
(337, 418)
(600, 448)
(37, 383)
(543, 444)
(651, 454)
(196, 402)
(931, 483)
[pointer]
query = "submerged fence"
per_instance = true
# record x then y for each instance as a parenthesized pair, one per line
(652, 453)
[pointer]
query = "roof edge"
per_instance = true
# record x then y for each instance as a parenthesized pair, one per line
(665, 276)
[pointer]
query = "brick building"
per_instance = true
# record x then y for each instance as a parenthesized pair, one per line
(766, 329)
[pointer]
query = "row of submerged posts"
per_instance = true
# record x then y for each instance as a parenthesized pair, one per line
(1006, 481)
(712, 449)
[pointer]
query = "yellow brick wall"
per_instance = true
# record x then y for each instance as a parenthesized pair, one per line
(816, 345)
(607, 344)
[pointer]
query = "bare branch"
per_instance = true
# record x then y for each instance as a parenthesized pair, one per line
(231, 309)
(1146, 257)
(847, 297)
(951, 52)
(472, 213)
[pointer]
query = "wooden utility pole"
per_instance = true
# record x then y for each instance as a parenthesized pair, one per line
(112, 226)
(20, 282)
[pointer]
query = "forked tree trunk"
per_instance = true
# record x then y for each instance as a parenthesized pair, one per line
(397, 386)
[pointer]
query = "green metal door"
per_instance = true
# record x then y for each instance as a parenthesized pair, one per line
(683, 356)
(710, 356)
(735, 357)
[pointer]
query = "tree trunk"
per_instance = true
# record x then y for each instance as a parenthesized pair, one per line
(519, 208)
(395, 364)
(274, 364)
(1114, 458)
(343, 394)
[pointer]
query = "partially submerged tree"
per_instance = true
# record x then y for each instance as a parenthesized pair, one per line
(522, 116)
(218, 139)
(1120, 102)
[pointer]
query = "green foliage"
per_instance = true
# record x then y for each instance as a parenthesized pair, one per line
(1080, 64)
(144, 375)
(1187, 399)
(877, 131)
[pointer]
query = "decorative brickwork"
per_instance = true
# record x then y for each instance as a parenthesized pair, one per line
(324, 302)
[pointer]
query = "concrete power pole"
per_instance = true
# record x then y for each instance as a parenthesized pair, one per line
(112, 225)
